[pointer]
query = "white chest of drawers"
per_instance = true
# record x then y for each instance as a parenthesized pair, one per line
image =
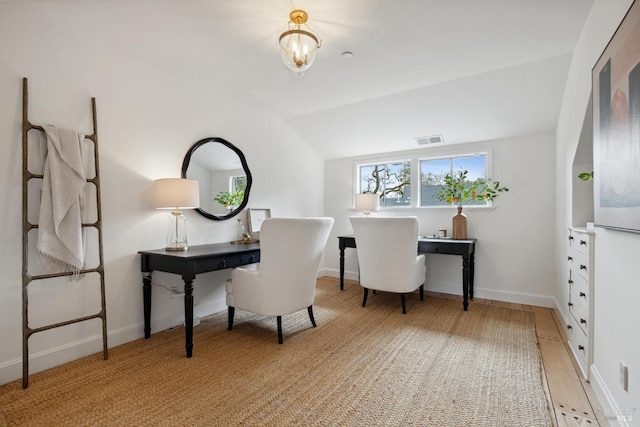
(581, 297)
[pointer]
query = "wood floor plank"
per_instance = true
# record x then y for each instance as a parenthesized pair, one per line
(567, 393)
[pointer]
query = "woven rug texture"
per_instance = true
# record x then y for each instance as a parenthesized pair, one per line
(435, 366)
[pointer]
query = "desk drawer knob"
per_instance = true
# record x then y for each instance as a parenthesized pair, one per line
(583, 267)
(570, 282)
(583, 242)
(224, 262)
(581, 347)
(569, 258)
(569, 327)
(570, 237)
(583, 321)
(570, 304)
(582, 294)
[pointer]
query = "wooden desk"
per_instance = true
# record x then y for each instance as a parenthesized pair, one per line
(196, 260)
(464, 248)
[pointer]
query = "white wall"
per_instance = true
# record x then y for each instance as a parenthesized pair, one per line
(147, 120)
(617, 289)
(514, 253)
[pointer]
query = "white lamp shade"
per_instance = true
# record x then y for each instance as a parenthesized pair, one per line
(176, 193)
(367, 202)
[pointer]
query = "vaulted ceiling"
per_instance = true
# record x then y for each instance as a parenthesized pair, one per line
(469, 70)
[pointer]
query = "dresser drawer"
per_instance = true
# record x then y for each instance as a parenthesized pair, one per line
(580, 242)
(582, 266)
(579, 344)
(579, 291)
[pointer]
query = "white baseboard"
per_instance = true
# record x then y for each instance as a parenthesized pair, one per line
(50, 358)
(456, 289)
(613, 414)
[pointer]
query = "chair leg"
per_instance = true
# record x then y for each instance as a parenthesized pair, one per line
(232, 311)
(279, 318)
(310, 310)
(422, 292)
(364, 299)
(404, 305)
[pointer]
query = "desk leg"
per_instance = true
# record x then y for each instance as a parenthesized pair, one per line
(341, 268)
(188, 315)
(146, 297)
(465, 282)
(472, 264)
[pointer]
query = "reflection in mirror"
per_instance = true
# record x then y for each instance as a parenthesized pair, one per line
(223, 174)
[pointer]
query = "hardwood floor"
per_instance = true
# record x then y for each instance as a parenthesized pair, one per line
(570, 397)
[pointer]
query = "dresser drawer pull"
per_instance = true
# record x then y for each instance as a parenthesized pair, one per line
(569, 258)
(570, 304)
(570, 237)
(583, 267)
(569, 327)
(582, 294)
(570, 281)
(580, 347)
(583, 242)
(583, 321)
(253, 258)
(224, 262)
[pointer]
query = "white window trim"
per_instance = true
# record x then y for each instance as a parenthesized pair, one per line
(415, 157)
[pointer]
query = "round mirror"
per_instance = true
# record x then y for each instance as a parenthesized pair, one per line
(223, 174)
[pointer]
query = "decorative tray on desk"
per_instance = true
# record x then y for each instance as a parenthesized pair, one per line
(244, 242)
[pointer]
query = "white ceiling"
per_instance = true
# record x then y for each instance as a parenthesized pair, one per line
(470, 70)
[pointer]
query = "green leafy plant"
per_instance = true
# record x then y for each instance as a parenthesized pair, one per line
(229, 199)
(586, 176)
(458, 190)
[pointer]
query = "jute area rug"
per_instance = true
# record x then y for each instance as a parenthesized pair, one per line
(435, 366)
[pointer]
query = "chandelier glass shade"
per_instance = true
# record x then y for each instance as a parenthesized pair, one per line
(298, 43)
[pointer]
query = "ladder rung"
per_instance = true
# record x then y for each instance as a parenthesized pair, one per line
(65, 323)
(64, 273)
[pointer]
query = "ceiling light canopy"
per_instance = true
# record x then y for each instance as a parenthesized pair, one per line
(298, 43)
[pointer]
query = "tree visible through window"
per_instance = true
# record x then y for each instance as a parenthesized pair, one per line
(238, 184)
(433, 171)
(392, 181)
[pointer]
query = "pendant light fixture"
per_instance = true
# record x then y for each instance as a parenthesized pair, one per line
(298, 43)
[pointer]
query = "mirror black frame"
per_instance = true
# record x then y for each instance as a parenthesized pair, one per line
(243, 160)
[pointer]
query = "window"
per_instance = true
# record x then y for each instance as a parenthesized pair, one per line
(238, 183)
(391, 180)
(433, 171)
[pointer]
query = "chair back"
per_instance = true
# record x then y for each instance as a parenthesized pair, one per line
(290, 254)
(387, 253)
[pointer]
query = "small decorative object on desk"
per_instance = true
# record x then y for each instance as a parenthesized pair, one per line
(442, 234)
(242, 235)
(458, 190)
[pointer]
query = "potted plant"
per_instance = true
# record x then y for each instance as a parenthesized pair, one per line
(458, 190)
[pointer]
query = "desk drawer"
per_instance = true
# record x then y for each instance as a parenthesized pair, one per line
(230, 261)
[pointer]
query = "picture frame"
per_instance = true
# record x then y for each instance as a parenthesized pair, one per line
(616, 128)
(255, 218)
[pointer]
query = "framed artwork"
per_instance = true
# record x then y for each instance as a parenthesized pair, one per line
(616, 128)
(255, 218)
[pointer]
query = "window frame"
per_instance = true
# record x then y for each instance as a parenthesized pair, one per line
(415, 158)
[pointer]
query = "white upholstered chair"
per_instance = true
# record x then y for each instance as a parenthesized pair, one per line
(284, 281)
(387, 255)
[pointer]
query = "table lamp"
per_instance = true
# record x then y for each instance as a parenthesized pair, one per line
(367, 202)
(176, 194)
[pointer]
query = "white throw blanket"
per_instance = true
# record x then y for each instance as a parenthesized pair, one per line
(60, 225)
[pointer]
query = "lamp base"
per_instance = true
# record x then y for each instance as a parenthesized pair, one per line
(176, 248)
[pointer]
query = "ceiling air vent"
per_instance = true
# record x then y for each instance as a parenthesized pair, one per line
(429, 140)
